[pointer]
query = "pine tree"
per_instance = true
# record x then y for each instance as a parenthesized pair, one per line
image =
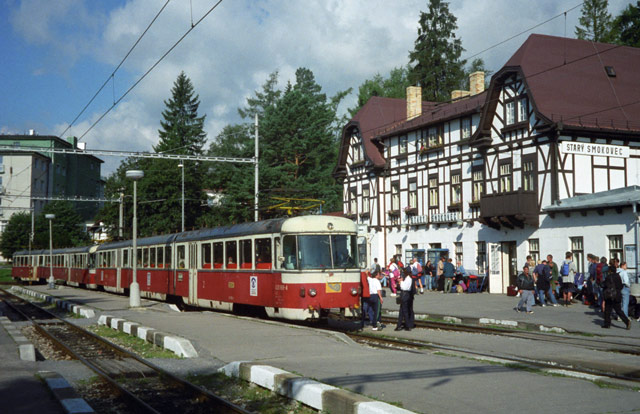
(435, 61)
(160, 191)
(595, 22)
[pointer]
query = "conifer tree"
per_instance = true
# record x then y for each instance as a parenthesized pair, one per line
(595, 22)
(435, 61)
(626, 27)
(393, 86)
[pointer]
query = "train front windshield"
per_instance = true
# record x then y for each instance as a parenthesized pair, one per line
(320, 252)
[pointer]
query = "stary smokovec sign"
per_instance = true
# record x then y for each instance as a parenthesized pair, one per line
(600, 150)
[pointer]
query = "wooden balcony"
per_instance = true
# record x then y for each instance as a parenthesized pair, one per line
(512, 209)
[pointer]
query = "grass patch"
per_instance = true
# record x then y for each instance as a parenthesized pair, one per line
(5, 274)
(249, 396)
(132, 343)
(89, 381)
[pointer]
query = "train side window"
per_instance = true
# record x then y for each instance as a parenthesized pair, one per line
(246, 255)
(289, 252)
(145, 257)
(180, 257)
(152, 257)
(167, 257)
(206, 255)
(231, 252)
(125, 257)
(160, 259)
(139, 257)
(263, 254)
(218, 255)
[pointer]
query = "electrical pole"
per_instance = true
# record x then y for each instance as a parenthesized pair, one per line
(121, 218)
(255, 200)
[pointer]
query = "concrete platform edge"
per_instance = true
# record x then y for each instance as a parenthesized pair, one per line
(179, 346)
(65, 393)
(315, 394)
(62, 304)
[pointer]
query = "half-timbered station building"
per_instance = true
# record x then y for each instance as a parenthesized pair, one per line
(544, 161)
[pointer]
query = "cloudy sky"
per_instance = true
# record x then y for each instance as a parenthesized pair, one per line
(56, 54)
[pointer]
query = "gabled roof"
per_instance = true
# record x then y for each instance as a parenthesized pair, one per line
(568, 82)
(619, 197)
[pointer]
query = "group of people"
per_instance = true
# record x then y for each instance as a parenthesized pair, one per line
(428, 277)
(372, 297)
(606, 285)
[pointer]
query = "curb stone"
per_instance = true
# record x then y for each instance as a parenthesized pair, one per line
(25, 348)
(65, 393)
(62, 304)
(317, 395)
(179, 346)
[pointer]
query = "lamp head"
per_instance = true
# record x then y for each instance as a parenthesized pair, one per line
(135, 175)
(49, 216)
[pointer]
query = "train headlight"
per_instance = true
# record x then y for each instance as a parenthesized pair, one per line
(312, 292)
(354, 291)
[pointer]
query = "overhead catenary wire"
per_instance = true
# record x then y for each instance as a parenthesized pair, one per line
(112, 76)
(150, 69)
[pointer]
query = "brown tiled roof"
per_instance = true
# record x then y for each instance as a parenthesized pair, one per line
(568, 82)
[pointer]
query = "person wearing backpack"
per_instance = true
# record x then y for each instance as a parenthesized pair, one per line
(525, 286)
(568, 272)
(612, 293)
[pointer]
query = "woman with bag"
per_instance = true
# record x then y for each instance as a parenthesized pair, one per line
(394, 276)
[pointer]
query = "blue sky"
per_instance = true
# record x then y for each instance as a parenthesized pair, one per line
(56, 53)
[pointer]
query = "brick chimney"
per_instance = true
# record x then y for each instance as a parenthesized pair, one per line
(457, 94)
(476, 82)
(414, 102)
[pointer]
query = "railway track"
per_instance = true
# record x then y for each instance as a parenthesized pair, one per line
(140, 386)
(386, 339)
(592, 343)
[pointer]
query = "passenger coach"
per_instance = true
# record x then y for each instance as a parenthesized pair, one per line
(293, 268)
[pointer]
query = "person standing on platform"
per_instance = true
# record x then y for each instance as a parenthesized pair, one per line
(364, 298)
(428, 275)
(439, 271)
(553, 268)
(416, 274)
(375, 299)
(568, 272)
(525, 285)
(626, 288)
(542, 276)
(394, 276)
(405, 314)
(448, 272)
(612, 292)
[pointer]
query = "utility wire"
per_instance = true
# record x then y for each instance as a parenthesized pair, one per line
(111, 77)
(150, 69)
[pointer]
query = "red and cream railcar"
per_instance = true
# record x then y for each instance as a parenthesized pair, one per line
(293, 268)
(69, 265)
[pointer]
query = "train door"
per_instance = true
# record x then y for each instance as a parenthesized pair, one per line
(192, 260)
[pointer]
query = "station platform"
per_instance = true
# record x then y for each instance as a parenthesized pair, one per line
(420, 381)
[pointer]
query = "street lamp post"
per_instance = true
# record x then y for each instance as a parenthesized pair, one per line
(181, 166)
(134, 287)
(52, 283)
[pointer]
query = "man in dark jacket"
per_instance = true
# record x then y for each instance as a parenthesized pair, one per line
(449, 272)
(612, 292)
(542, 275)
(525, 285)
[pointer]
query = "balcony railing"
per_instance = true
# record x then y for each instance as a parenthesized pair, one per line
(518, 206)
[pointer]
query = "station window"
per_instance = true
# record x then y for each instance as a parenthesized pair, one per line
(433, 191)
(478, 184)
(510, 112)
(578, 251)
(246, 254)
(534, 249)
(456, 188)
(180, 252)
(505, 177)
(395, 196)
(615, 247)
(218, 255)
(231, 251)
(365, 199)
(523, 108)
(458, 249)
(413, 194)
(403, 145)
(481, 257)
(465, 128)
(206, 255)
(353, 201)
(263, 253)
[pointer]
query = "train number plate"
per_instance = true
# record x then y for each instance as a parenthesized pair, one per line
(334, 287)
